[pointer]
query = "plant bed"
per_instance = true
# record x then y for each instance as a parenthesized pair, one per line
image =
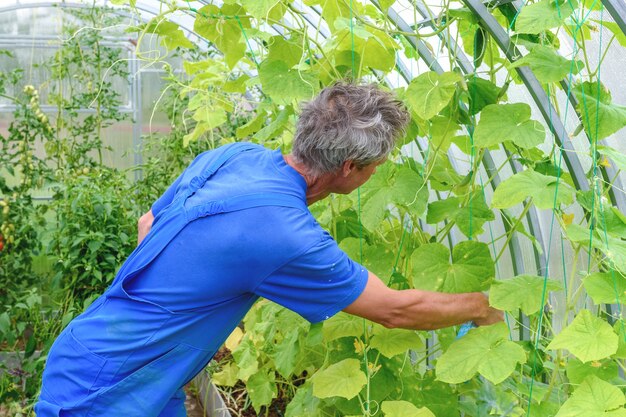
(234, 398)
(209, 397)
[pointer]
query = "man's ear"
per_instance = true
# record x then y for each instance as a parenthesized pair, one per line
(347, 168)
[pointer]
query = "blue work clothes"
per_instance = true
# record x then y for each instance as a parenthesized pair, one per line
(232, 228)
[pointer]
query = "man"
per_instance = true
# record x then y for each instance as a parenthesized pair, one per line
(234, 227)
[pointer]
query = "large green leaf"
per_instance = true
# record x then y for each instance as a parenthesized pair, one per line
(594, 398)
(486, 350)
(378, 258)
(472, 268)
(392, 184)
(392, 342)
(262, 9)
(261, 389)
(502, 122)
(601, 118)
(276, 127)
(472, 216)
(210, 117)
(606, 287)
(620, 328)
(227, 377)
(542, 188)
(171, 35)
(342, 325)
(548, 65)
(523, 292)
(481, 94)
(614, 249)
(342, 379)
(404, 409)
(442, 130)
(334, 9)
(543, 15)
(286, 354)
(285, 85)
(615, 29)
(303, 403)
(253, 126)
(588, 337)
(443, 176)
(577, 371)
(430, 92)
(226, 34)
(368, 48)
(246, 359)
(281, 49)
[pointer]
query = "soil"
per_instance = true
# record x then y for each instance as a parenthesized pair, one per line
(193, 405)
(237, 401)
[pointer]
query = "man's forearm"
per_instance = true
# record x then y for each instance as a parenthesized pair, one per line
(425, 310)
(421, 310)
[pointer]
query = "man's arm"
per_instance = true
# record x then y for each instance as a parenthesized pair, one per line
(421, 310)
(144, 225)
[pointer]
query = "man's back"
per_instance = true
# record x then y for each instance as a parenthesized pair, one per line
(214, 248)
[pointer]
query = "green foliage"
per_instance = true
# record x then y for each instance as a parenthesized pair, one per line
(588, 337)
(429, 93)
(404, 409)
(485, 350)
(594, 398)
(508, 122)
(544, 190)
(606, 287)
(600, 116)
(471, 268)
(469, 216)
(523, 292)
(392, 342)
(283, 85)
(342, 379)
(543, 15)
(396, 184)
(548, 65)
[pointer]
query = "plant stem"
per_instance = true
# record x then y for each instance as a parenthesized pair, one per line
(513, 229)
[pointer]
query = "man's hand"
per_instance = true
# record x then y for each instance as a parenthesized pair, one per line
(144, 225)
(421, 310)
(490, 315)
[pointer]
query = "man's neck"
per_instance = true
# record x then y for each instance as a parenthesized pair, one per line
(317, 188)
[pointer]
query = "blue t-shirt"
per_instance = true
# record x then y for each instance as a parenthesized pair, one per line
(280, 253)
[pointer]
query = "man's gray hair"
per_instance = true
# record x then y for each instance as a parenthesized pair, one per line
(348, 122)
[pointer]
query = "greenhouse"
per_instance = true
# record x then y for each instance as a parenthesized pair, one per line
(188, 225)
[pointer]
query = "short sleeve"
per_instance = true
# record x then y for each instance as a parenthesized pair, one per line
(166, 198)
(317, 284)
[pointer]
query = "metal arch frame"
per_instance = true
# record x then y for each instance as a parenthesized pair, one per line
(532, 218)
(534, 87)
(619, 199)
(542, 100)
(488, 163)
(617, 10)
